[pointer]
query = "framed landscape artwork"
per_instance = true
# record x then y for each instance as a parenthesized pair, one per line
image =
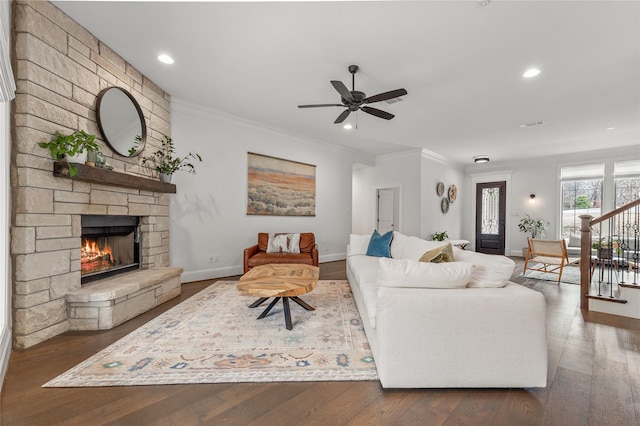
(278, 187)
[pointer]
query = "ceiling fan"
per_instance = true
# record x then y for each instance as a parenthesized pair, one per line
(354, 100)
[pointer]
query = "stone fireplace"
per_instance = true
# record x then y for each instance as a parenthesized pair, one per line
(60, 69)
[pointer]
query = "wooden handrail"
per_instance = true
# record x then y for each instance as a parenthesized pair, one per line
(615, 212)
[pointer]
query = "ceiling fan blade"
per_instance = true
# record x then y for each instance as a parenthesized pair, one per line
(377, 112)
(342, 116)
(319, 105)
(342, 89)
(384, 96)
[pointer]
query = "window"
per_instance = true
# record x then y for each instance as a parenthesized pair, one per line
(581, 194)
(627, 181)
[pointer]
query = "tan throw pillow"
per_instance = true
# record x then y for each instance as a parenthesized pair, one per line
(439, 254)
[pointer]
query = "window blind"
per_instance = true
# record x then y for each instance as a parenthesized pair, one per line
(584, 171)
(626, 168)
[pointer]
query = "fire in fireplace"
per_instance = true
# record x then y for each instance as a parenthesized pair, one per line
(110, 245)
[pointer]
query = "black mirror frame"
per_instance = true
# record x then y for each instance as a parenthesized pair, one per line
(143, 123)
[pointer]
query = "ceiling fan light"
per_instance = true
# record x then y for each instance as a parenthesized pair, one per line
(481, 159)
(348, 126)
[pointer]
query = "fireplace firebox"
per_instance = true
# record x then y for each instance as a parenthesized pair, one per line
(110, 245)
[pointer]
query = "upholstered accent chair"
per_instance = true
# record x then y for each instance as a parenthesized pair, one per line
(549, 256)
(257, 255)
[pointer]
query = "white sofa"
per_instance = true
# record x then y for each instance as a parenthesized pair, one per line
(459, 324)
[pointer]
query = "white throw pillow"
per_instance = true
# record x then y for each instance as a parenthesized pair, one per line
(358, 244)
(415, 247)
(283, 243)
(397, 244)
(411, 273)
(489, 270)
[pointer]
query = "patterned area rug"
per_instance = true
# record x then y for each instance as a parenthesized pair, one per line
(213, 337)
(570, 275)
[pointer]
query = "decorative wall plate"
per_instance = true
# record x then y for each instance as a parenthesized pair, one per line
(440, 189)
(453, 193)
(444, 205)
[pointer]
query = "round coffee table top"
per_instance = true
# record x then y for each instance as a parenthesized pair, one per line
(279, 280)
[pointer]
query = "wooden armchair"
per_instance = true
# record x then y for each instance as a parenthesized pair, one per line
(552, 254)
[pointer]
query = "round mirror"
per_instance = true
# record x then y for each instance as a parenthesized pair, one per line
(121, 121)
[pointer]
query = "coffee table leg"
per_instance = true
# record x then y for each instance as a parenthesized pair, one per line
(271, 305)
(303, 303)
(287, 313)
(258, 302)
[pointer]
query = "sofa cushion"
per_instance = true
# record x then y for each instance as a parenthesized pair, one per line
(380, 245)
(264, 258)
(489, 270)
(365, 270)
(415, 247)
(439, 255)
(307, 241)
(410, 273)
(283, 243)
(358, 244)
(397, 244)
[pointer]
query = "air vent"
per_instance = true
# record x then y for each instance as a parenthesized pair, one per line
(393, 101)
(534, 123)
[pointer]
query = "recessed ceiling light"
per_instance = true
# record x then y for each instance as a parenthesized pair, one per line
(348, 126)
(611, 128)
(481, 159)
(165, 59)
(531, 72)
(533, 123)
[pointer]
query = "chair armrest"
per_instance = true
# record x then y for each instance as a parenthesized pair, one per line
(248, 252)
(314, 254)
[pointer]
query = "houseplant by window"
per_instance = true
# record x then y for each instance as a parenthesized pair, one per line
(533, 227)
(166, 163)
(62, 147)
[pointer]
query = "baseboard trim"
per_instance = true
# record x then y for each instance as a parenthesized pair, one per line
(229, 271)
(5, 352)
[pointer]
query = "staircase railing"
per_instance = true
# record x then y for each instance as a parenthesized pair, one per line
(612, 242)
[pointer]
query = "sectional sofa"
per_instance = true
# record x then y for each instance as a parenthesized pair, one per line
(447, 325)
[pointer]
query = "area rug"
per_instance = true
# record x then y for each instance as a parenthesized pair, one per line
(570, 275)
(213, 337)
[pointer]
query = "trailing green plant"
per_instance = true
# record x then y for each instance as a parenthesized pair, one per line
(62, 146)
(535, 227)
(164, 160)
(439, 236)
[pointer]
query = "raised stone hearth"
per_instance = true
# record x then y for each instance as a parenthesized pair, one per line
(60, 69)
(109, 302)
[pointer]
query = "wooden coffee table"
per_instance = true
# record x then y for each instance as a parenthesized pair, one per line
(282, 281)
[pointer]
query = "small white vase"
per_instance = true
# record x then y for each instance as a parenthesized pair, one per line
(165, 178)
(78, 158)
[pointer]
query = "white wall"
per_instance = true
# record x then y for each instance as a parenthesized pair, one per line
(540, 176)
(437, 169)
(400, 170)
(208, 213)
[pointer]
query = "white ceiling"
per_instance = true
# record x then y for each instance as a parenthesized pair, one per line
(460, 61)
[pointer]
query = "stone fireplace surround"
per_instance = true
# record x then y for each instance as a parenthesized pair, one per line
(60, 68)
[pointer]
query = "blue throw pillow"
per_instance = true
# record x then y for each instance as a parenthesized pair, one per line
(380, 245)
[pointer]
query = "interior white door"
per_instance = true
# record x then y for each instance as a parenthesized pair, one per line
(385, 210)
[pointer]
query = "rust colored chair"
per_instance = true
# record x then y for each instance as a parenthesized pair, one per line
(257, 255)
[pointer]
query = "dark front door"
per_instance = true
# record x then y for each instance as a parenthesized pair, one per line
(491, 202)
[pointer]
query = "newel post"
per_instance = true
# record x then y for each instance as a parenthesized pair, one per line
(585, 259)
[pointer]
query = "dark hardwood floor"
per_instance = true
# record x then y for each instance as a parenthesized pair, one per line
(594, 379)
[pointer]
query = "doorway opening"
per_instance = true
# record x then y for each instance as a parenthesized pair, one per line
(388, 209)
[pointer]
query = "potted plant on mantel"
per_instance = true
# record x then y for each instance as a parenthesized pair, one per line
(65, 147)
(164, 161)
(534, 227)
(439, 236)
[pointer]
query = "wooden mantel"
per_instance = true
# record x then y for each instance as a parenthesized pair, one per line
(109, 177)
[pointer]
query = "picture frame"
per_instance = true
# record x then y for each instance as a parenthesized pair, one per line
(280, 187)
